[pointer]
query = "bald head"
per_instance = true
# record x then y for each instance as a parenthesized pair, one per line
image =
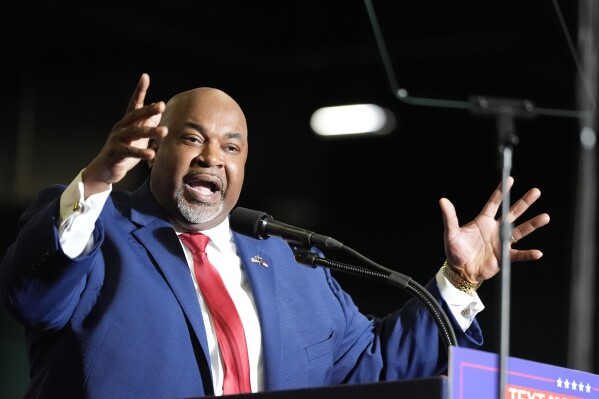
(198, 171)
(191, 100)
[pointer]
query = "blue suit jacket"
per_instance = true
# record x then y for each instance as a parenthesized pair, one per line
(124, 321)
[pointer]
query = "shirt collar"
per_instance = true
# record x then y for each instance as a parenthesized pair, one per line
(220, 235)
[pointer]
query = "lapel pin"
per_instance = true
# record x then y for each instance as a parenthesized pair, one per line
(258, 259)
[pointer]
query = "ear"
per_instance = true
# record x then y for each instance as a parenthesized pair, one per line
(153, 145)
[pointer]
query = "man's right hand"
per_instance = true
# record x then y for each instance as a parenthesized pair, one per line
(127, 143)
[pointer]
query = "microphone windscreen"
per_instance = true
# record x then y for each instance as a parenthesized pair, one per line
(247, 221)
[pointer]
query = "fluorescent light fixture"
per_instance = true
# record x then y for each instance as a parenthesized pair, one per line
(352, 119)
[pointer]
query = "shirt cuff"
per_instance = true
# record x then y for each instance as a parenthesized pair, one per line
(463, 306)
(78, 217)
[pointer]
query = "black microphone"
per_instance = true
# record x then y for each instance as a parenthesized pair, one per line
(261, 225)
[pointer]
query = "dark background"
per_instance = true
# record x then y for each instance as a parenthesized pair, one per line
(70, 67)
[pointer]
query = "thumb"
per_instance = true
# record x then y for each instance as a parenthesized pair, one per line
(450, 218)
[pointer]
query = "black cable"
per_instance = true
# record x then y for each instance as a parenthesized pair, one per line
(393, 278)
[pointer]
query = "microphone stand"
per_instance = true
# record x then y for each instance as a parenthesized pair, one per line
(302, 255)
(504, 110)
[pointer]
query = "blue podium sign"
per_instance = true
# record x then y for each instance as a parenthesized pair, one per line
(474, 374)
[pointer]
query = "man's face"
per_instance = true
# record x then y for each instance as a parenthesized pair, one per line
(198, 171)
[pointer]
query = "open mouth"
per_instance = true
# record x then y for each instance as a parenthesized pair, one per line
(203, 187)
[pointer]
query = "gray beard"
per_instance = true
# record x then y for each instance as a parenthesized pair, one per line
(197, 214)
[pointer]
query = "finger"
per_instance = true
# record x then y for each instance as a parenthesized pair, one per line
(524, 229)
(139, 94)
(450, 218)
(520, 206)
(143, 116)
(137, 150)
(153, 121)
(140, 153)
(124, 143)
(132, 134)
(525, 255)
(492, 206)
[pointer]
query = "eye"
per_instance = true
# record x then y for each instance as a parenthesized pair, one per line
(192, 139)
(232, 149)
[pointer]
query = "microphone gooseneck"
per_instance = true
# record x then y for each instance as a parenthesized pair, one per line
(261, 225)
(394, 279)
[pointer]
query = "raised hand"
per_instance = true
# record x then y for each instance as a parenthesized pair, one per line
(127, 142)
(474, 250)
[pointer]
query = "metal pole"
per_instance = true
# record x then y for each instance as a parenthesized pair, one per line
(582, 287)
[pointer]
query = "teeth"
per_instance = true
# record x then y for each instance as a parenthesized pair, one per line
(202, 187)
(202, 190)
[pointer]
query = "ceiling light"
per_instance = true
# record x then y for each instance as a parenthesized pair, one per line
(352, 119)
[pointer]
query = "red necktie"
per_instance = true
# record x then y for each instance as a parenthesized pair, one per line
(229, 330)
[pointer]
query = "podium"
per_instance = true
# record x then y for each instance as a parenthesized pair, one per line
(473, 374)
(425, 388)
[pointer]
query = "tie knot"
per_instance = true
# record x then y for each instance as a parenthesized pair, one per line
(196, 242)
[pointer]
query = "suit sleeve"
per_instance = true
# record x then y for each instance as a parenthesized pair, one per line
(403, 345)
(40, 285)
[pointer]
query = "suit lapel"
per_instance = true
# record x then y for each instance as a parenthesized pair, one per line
(156, 234)
(260, 269)
(158, 237)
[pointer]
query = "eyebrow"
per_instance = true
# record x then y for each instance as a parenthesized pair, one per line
(200, 128)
